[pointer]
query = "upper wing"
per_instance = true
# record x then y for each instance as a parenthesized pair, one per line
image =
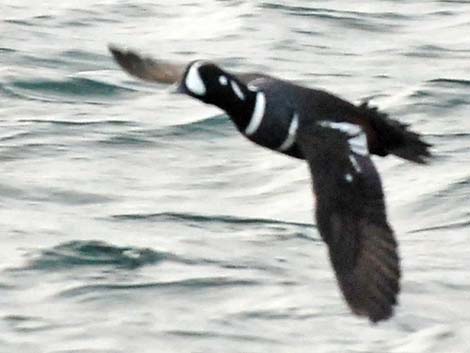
(146, 68)
(161, 71)
(352, 220)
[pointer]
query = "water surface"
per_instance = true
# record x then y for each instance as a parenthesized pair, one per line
(136, 220)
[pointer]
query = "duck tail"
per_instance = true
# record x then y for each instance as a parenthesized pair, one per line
(394, 137)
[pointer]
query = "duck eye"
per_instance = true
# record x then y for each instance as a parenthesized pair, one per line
(223, 80)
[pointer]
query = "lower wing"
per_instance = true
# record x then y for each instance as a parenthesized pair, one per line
(352, 221)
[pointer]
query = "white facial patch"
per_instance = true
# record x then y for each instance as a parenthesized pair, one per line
(236, 88)
(356, 137)
(193, 80)
(349, 178)
(223, 80)
(258, 113)
(290, 139)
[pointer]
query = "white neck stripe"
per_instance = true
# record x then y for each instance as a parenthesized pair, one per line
(236, 88)
(258, 113)
(290, 139)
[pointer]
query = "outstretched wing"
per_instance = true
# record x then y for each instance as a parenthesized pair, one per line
(148, 69)
(161, 71)
(351, 217)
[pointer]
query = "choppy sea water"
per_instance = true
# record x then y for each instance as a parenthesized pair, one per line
(136, 220)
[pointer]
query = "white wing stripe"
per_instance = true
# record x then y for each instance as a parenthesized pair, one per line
(359, 144)
(354, 163)
(357, 139)
(348, 128)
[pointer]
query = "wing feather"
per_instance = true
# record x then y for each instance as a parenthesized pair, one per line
(352, 221)
(161, 71)
(148, 69)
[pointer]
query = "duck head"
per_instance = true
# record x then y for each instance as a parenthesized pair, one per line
(212, 85)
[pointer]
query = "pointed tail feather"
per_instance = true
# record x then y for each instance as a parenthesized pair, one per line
(395, 137)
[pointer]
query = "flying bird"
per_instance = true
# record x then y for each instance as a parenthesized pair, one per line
(336, 138)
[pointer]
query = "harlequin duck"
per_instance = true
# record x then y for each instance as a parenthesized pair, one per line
(336, 138)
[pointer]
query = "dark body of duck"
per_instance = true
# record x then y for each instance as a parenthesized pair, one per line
(336, 139)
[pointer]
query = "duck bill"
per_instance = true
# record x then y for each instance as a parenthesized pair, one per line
(179, 89)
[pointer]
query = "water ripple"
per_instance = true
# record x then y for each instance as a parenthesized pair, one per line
(451, 82)
(28, 324)
(65, 90)
(95, 253)
(191, 284)
(196, 219)
(213, 334)
(446, 226)
(352, 19)
(214, 126)
(83, 123)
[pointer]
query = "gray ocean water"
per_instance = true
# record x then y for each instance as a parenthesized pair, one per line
(136, 220)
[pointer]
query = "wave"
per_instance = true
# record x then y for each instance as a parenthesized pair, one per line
(190, 284)
(446, 207)
(7, 50)
(203, 219)
(43, 131)
(214, 126)
(192, 334)
(450, 82)
(218, 126)
(441, 94)
(433, 51)
(365, 21)
(446, 226)
(70, 90)
(95, 253)
(433, 339)
(306, 11)
(84, 123)
(51, 194)
(223, 223)
(81, 254)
